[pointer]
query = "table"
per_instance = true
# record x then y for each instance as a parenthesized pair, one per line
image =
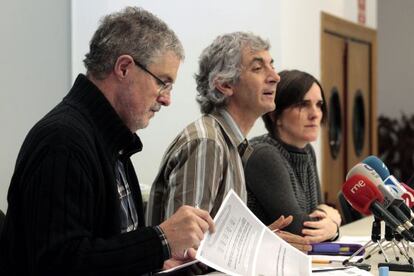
(360, 227)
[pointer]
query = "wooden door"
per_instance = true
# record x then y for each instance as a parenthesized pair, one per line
(334, 132)
(348, 76)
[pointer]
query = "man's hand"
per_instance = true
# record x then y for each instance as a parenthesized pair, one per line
(185, 229)
(280, 223)
(170, 263)
(297, 241)
(195, 269)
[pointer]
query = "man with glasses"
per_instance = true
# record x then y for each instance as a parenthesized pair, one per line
(164, 87)
(236, 84)
(74, 202)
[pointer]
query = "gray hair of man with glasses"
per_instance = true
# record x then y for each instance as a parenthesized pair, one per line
(221, 62)
(133, 31)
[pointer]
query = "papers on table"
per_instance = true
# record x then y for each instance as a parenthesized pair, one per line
(355, 239)
(242, 245)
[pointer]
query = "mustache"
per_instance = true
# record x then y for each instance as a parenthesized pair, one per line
(156, 107)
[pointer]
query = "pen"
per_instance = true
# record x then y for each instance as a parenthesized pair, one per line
(329, 269)
(320, 261)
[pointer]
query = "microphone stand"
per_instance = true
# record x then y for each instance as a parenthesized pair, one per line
(375, 238)
(376, 241)
(393, 239)
(406, 247)
(390, 238)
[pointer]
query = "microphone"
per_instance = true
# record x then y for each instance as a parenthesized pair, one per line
(389, 180)
(400, 191)
(408, 196)
(377, 164)
(391, 202)
(364, 197)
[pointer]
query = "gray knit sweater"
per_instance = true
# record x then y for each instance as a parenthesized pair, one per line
(282, 180)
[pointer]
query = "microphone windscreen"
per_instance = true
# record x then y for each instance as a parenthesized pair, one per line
(367, 171)
(377, 164)
(392, 182)
(360, 192)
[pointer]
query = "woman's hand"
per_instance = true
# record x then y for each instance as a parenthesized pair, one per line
(331, 213)
(321, 230)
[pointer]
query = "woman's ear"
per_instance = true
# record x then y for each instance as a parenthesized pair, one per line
(122, 66)
(224, 87)
(272, 117)
(276, 121)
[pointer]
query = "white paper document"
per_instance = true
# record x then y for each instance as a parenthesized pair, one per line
(243, 245)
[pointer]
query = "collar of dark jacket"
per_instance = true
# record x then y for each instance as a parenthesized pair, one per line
(119, 140)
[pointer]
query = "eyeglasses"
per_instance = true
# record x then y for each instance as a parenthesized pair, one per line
(163, 87)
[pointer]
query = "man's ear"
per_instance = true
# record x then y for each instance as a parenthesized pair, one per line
(123, 66)
(224, 87)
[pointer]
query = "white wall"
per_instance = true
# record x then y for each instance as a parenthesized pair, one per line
(395, 57)
(34, 72)
(196, 29)
(292, 26)
(38, 47)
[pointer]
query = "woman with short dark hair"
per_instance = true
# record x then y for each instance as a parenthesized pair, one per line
(281, 174)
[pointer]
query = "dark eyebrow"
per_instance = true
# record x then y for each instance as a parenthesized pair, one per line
(261, 60)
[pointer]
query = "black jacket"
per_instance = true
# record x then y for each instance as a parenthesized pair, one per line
(63, 213)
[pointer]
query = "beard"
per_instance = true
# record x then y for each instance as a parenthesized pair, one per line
(156, 107)
(142, 121)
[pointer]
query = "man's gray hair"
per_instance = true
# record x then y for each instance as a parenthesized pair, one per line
(133, 31)
(221, 63)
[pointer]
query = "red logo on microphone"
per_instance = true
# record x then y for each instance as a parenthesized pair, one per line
(358, 186)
